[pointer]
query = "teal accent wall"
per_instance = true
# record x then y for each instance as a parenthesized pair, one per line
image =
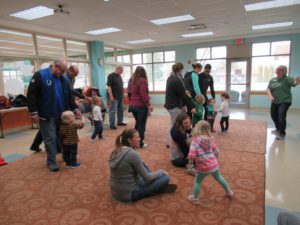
(187, 52)
(97, 71)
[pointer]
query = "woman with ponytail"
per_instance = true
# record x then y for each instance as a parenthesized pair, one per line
(130, 178)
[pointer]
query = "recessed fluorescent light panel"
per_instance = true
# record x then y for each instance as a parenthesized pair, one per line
(272, 25)
(103, 31)
(270, 4)
(34, 13)
(174, 19)
(140, 41)
(197, 34)
(15, 33)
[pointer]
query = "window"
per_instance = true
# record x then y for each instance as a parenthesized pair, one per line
(76, 50)
(109, 55)
(266, 57)
(16, 76)
(137, 58)
(83, 78)
(158, 66)
(123, 56)
(50, 47)
(216, 56)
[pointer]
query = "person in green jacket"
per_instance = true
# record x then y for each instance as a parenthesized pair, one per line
(279, 92)
(198, 105)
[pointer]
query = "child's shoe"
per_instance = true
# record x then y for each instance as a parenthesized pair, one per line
(92, 140)
(75, 165)
(193, 200)
(68, 166)
(229, 194)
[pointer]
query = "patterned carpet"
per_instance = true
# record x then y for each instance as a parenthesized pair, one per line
(30, 195)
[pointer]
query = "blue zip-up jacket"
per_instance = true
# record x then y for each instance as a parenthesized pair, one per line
(41, 95)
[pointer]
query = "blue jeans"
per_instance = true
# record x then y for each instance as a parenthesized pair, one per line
(278, 114)
(48, 129)
(140, 115)
(149, 189)
(98, 129)
(116, 106)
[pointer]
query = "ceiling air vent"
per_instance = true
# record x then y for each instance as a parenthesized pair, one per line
(197, 26)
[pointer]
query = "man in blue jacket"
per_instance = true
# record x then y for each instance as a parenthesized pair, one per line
(49, 94)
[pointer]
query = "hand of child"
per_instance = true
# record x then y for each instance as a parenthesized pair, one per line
(271, 98)
(188, 93)
(193, 110)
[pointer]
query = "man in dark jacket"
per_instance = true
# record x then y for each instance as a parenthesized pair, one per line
(206, 80)
(71, 74)
(49, 94)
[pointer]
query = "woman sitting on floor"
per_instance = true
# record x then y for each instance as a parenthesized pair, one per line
(180, 140)
(130, 178)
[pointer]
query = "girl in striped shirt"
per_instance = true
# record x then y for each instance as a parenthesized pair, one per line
(204, 153)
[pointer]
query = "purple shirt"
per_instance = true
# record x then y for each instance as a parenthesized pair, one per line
(139, 93)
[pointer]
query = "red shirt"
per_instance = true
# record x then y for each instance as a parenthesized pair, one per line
(140, 93)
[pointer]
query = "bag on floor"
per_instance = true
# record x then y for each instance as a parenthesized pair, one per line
(20, 101)
(4, 103)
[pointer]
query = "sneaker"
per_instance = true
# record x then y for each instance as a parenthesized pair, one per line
(113, 127)
(92, 140)
(53, 167)
(122, 124)
(193, 200)
(68, 166)
(35, 149)
(275, 131)
(229, 194)
(191, 171)
(143, 145)
(280, 137)
(171, 188)
(75, 165)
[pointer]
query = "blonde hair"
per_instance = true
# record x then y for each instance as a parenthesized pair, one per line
(66, 115)
(201, 98)
(202, 128)
(95, 100)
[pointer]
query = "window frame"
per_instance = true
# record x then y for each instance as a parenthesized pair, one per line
(152, 63)
(199, 60)
(253, 91)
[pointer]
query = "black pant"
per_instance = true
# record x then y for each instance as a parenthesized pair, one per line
(140, 115)
(37, 141)
(98, 129)
(70, 154)
(180, 162)
(278, 114)
(224, 119)
(211, 123)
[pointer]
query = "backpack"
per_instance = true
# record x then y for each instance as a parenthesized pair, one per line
(20, 101)
(4, 103)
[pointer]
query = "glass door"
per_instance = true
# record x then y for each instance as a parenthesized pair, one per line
(239, 83)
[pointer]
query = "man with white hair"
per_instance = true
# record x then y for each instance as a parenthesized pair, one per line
(279, 92)
(115, 91)
(49, 94)
(71, 74)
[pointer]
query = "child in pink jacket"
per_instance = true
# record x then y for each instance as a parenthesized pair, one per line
(204, 152)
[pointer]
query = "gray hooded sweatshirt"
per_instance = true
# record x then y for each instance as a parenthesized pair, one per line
(126, 170)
